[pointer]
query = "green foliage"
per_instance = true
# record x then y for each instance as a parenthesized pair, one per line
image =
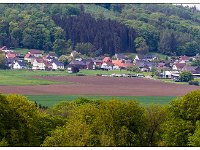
(133, 69)
(156, 116)
(141, 45)
(176, 132)
(3, 143)
(85, 48)
(186, 76)
(155, 72)
(187, 108)
(194, 140)
(111, 123)
(85, 122)
(22, 123)
(2, 61)
(192, 82)
(165, 28)
(183, 117)
(196, 63)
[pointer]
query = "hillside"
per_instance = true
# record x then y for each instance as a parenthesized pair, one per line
(96, 29)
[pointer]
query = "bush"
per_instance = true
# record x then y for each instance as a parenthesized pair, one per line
(186, 76)
(80, 75)
(192, 82)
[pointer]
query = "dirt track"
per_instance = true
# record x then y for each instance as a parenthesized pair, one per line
(87, 85)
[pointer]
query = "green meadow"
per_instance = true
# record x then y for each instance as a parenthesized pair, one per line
(50, 100)
(25, 77)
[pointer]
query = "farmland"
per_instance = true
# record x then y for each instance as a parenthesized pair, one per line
(51, 87)
(95, 85)
(50, 100)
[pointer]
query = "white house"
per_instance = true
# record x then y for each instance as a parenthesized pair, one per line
(57, 65)
(38, 64)
(136, 58)
(29, 58)
(107, 66)
(167, 74)
(19, 65)
(36, 53)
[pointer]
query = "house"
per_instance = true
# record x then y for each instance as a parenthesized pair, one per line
(120, 56)
(97, 63)
(178, 66)
(146, 68)
(74, 54)
(107, 66)
(10, 61)
(19, 65)
(89, 64)
(147, 57)
(78, 64)
(144, 65)
(136, 58)
(48, 65)
(11, 55)
(72, 69)
(107, 60)
(57, 65)
(161, 65)
(122, 63)
(30, 58)
(50, 56)
(191, 69)
(167, 74)
(184, 58)
(35, 53)
(38, 64)
(170, 74)
(3, 48)
(53, 55)
(197, 70)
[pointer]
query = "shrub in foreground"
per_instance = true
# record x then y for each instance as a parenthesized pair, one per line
(192, 82)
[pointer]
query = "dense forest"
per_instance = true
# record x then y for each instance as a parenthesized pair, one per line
(101, 28)
(85, 122)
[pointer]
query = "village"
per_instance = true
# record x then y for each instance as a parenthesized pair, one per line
(37, 60)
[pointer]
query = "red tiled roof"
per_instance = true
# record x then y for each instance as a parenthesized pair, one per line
(27, 55)
(3, 48)
(11, 54)
(180, 65)
(107, 59)
(184, 58)
(39, 60)
(120, 63)
(161, 64)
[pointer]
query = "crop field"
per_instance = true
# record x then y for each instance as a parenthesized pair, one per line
(95, 85)
(50, 100)
(50, 87)
(25, 77)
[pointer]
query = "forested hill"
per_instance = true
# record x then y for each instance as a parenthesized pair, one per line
(96, 29)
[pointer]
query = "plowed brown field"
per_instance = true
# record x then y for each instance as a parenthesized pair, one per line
(95, 85)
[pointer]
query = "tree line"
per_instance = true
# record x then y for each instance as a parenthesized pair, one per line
(108, 35)
(107, 28)
(85, 122)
